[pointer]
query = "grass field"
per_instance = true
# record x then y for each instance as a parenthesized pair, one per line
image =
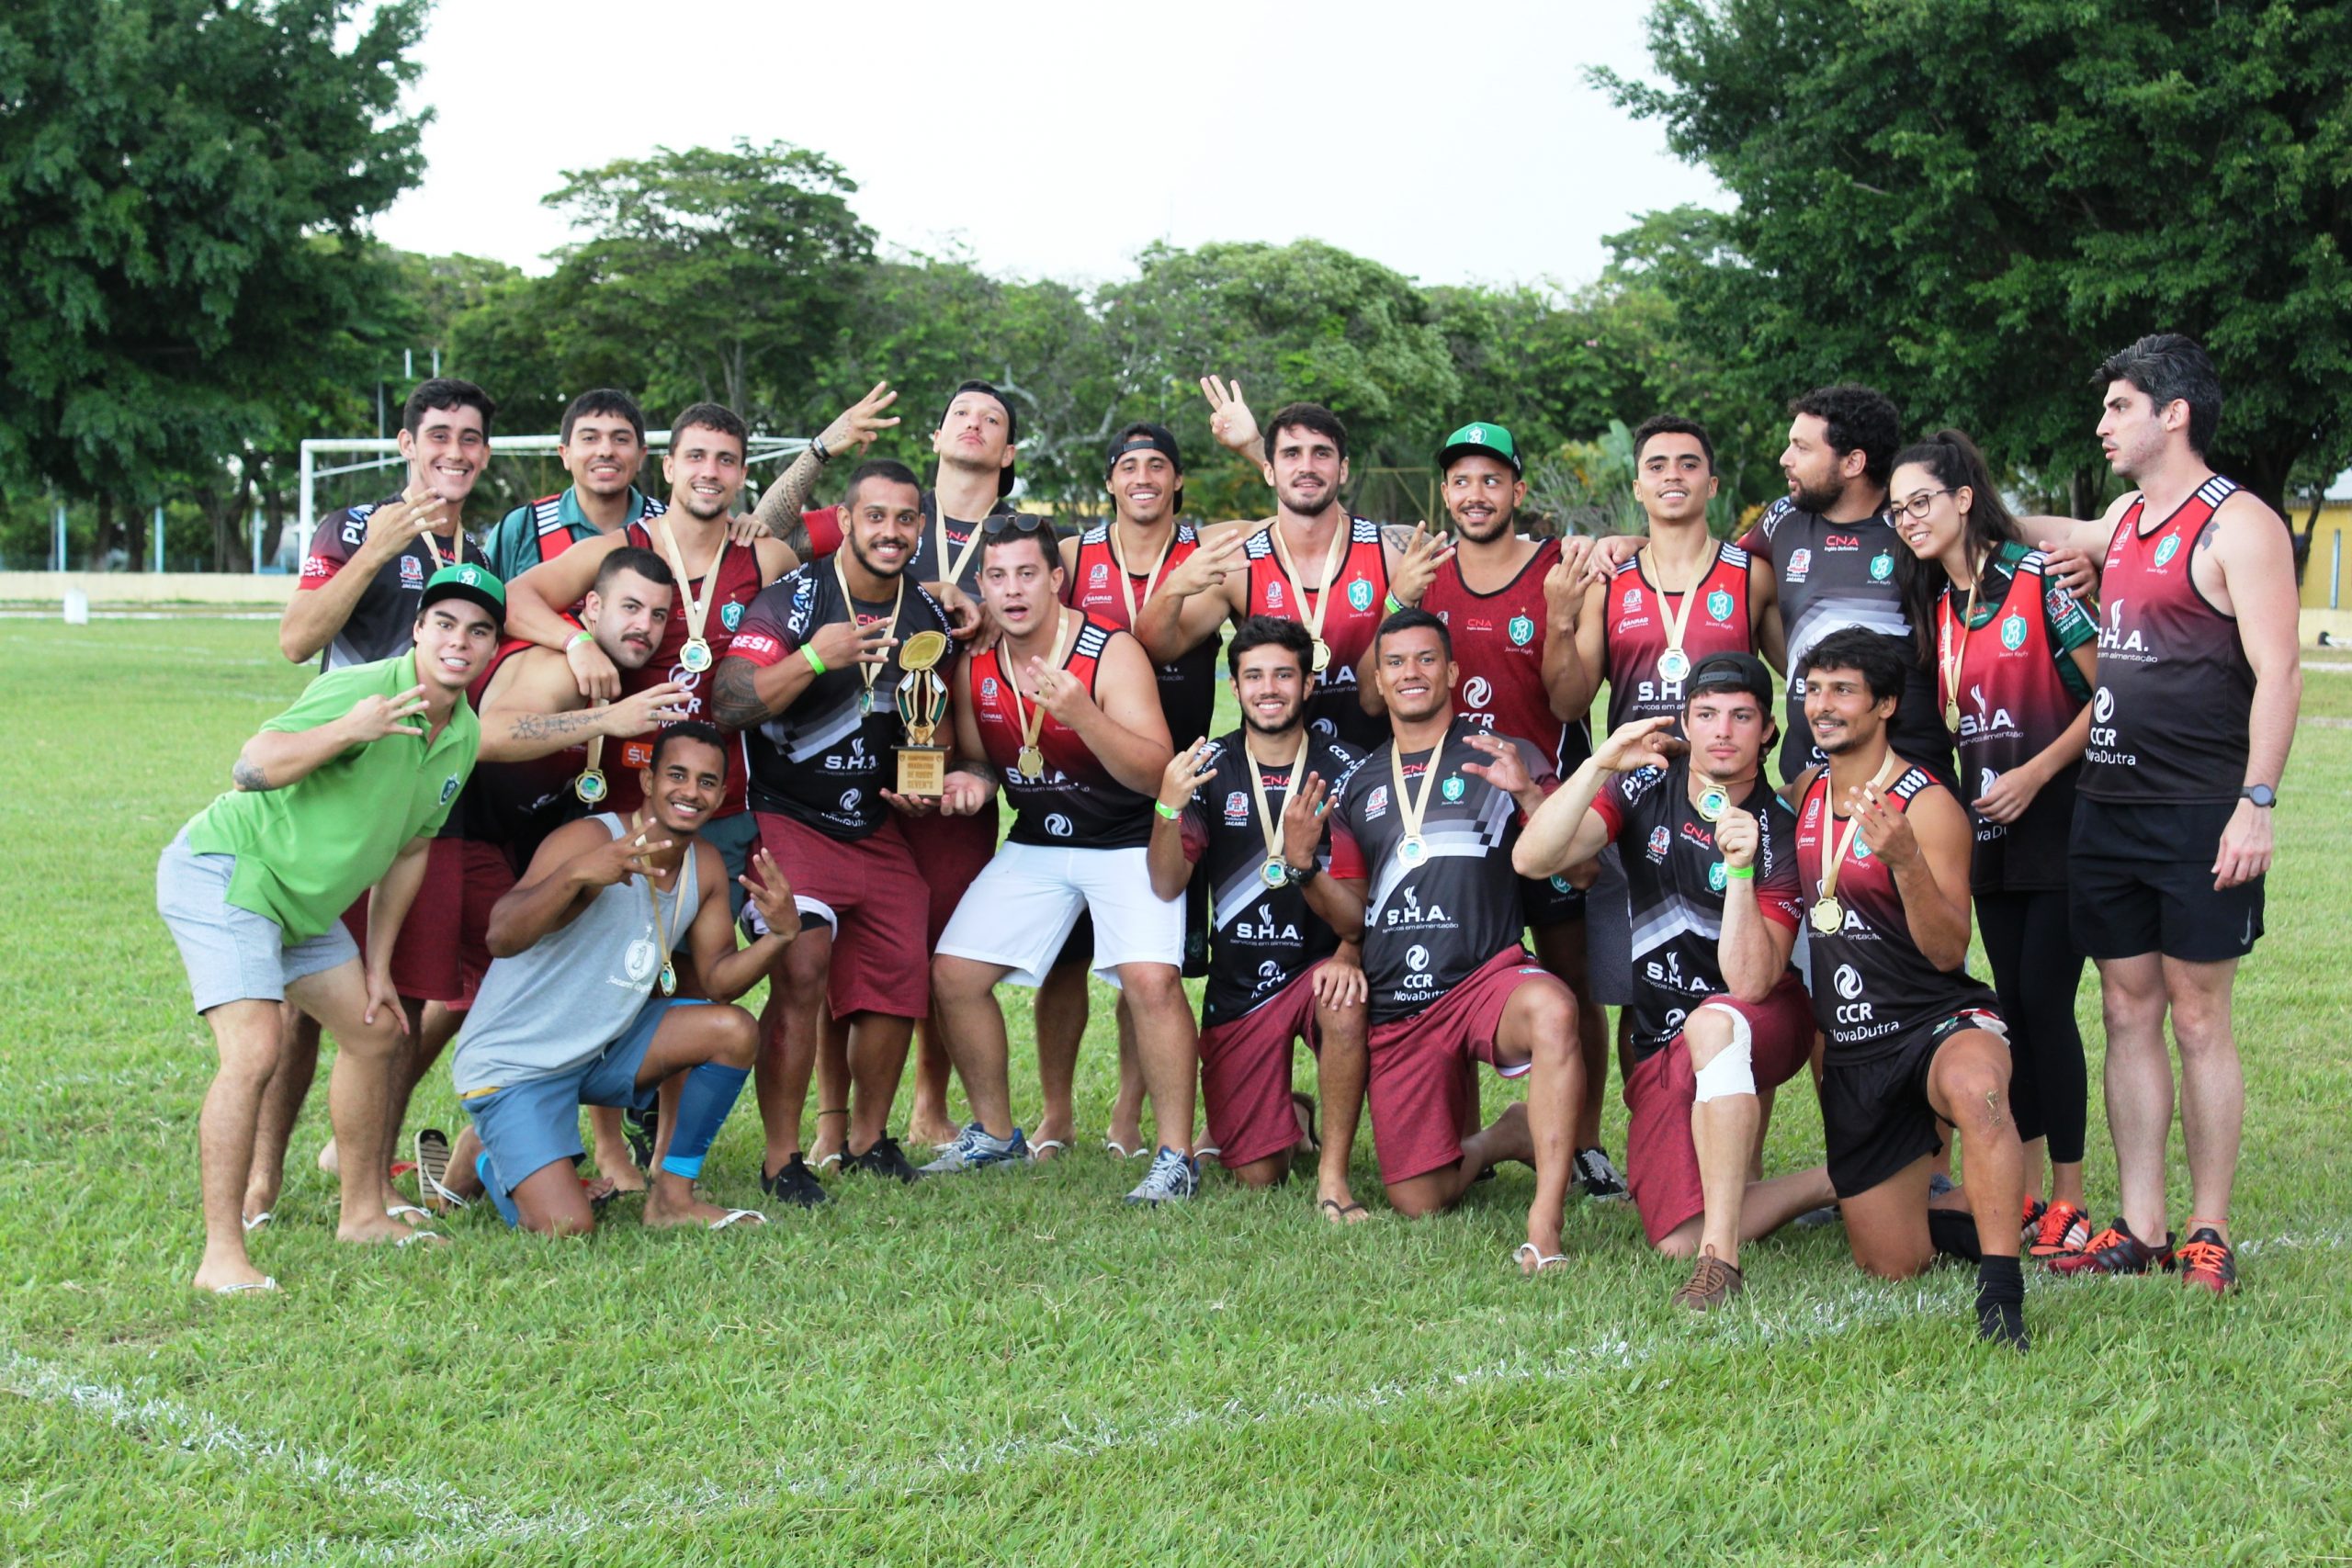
(1018, 1368)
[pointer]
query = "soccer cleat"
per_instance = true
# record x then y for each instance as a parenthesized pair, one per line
(2059, 1231)
(1599, 1179)
(1713, 1284)
(1172, 1178)
(2035, 1208)
(2206, 1259)
(795, 1183)
(885, 1158)
(2114, 1250)
(974, 1150)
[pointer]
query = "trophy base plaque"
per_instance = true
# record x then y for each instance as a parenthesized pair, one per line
(922, 770)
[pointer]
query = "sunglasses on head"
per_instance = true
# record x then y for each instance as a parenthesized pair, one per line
(1011, 522)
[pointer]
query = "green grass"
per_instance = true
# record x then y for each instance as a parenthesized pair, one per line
(1016, 1367)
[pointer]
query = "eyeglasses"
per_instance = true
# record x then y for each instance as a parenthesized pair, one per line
(1918, 504)
(1001, 523)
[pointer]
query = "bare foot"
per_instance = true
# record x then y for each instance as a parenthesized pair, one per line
(1303, 1108)
(929, 1125)
(1128, 1137)
(673, 1202)
(261, 1198)
(329, 1161)
(1337, 1206)
(624, 1175)
(1057, 1133)
(1535, 1256)
(375, 1230)
(228, 1275)
(826, 1148)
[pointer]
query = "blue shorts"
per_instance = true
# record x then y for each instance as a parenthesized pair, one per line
(526, 1127)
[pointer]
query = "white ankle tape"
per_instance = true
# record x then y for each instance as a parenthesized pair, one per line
(1734, 1069)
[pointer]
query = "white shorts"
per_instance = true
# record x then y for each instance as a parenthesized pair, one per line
(1019, 912)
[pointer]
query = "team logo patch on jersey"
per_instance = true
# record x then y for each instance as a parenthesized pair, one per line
(1376, 803)
(1521, 630)
(987, 688)
(1849, 981)
(2169, 548)
(412, 571)
(1360, 593)
(1719, 606)
(1716, 877)
(849, 799)
(2058, 603)
(448, 788)
(639, 961)
(1057, 825)
(1476, 693)
(1861, 850)
(1800, 563)
(1451, 788)
(1881, 567)
(1634, 600)
(1237, 808)
(1562, 884)
(2013, 633)
(1274, 596)
(1660, 841)
(731, 616)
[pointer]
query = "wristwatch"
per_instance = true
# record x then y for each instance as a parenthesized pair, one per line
(1301, 875)
(2261, 795)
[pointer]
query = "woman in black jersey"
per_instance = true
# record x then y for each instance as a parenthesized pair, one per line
(2014, 660)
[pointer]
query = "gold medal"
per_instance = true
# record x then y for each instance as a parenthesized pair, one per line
(1674, 665)
(1951, 653)
(695, 657)
(1031, 763)
(1828, 915)
(1952, 716)
(590, 786)
(1274, 872)
(665, 935)
(669, 978)
(1312, 618)
(1714, 801)
(1322, 658)
(1032, 716)
(1411, 850)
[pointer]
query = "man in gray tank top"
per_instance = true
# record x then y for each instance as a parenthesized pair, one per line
(581, 1003)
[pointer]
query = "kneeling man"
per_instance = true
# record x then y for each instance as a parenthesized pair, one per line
(579, 1006)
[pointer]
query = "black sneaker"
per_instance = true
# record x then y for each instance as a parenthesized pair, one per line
(885, 1158)
(1597, 1177)
(639, 1128)
(796, 1184)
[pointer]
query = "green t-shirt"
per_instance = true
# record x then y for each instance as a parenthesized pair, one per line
(513, 548)
(305, 852)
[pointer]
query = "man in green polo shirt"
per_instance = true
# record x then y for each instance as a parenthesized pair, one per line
(601, 446)
(342, 791)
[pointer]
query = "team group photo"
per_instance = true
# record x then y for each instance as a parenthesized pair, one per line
(826, 901)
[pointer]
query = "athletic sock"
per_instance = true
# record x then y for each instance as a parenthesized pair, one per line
(2000, 1300)
(710, 1093)
(1954, 1231)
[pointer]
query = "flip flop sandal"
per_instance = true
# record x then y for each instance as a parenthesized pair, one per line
(735, 1216)
(1340, 1211)
(402, 1211)
(1521, 1252)
(637, 1130)
(400, 1167)
(1120, 1149)
(598, 1202)
(431, 1147)
(252, 1224)
(414, 1236)
(265, 1284)
(1037, 1150)
(1305, 1106)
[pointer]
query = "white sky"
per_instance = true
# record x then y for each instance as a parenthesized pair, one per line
(1453, 143)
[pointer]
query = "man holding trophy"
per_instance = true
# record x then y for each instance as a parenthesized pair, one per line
(829, 663)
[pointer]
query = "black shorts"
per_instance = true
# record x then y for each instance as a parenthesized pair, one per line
(1080, 948)
(2140, 880)
(1875, 1118)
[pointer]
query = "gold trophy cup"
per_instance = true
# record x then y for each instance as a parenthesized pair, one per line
(922, 701)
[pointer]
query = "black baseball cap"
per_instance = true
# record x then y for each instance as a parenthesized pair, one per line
(1011, 425)
(1145, 436)
(1731, 672)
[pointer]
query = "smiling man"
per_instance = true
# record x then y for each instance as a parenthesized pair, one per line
(601, 447)
(343, 790)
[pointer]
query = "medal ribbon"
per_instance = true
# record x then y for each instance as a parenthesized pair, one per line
(662, 933)
(1673, 620)
(1948, 661)
(1032, 719)
(698, 610)
(1332, 559)
(1845, 841)
(952, 566)
(1410, 811)
(595, 749)
(1126, 583)
(1268, 824)
(891, 627)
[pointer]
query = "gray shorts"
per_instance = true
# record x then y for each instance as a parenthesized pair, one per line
(233, 955)
(1609, 935)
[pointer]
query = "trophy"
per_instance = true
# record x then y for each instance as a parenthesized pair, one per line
(921, 700)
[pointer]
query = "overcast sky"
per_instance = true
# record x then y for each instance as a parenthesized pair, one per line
(1457, 143)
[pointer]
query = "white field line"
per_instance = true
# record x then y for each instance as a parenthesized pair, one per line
(456, 1523)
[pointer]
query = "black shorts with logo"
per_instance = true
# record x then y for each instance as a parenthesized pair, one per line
(1875, 1117)
(2140, 880)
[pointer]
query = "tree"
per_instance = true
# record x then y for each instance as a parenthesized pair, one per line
(183, 190)
(1971, 203)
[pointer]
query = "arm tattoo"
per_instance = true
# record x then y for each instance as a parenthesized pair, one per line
(735, 695)
(249, 776)
(548, 726)
(780, 507)
(1397, 536)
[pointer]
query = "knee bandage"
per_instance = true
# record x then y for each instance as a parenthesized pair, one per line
(1733, 1071)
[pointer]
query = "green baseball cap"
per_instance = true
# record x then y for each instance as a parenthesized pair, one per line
(467, 580)
(1483, 439)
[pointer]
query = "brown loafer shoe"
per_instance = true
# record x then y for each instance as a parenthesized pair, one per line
(1713, 1284)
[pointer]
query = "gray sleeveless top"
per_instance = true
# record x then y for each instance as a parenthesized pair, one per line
(562, 1003)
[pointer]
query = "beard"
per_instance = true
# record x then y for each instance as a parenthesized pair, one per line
(874, 566)
(1315, 508)
(1258, 726)
(1807, 498)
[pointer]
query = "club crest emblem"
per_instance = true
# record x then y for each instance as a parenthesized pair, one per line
(448, 788)
(2169, 548)
(1881, 567)
(1360, 593)
(731, 616)
(1521, 630)
(1660, 841)
(1719, 606)
(1451, 788)
(1800, 563)
(1716, 876)
(2013, 633)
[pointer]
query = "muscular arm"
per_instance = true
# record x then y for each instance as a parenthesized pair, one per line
(276, 758)
(532, 710)
(1170, 627)
(313, 616)
(1934, 881)
(553, 890)
(744, 696)
(1753, 951)
(1341, 905)
(1583, 656)
(1124, 727)
(780, 507)
(1165, 858)
(1564, 831)
(537, 602)
(2255, 557)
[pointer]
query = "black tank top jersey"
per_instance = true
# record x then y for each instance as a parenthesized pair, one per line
(826, 758)
(516, 805)
(1499, 641)
(383, 625)
(1871, 986)
(1832, 576)
(1633, 631)
(2018, 691)
(1362, 577)
(928, 566)
(1187, 686)
(1675, 886)
(2169, 719)
(1075, 803)
(1427, 927)
(1261, 938)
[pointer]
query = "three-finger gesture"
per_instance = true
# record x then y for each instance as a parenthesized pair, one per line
(1060, 693)
(376, 716)
(1186, 771)
(771, 894)
(1302, 815)
(1417, 565)
(856, 426)
(1885, 831)
(1504, 768)
(1230, 420)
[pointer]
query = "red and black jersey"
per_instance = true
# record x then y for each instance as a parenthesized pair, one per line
(1632, 629)
(1871, 986)
(383, 625)
(1674, 884)
(2018, 692)
(1499, 641)
(1076, 802)
(1261, 938)
(826, 758)
(516, 805)
(2170, 720)
(1430, 925)
(1832, 576)
(1187, 685)
(733, 582)
(1361, 582)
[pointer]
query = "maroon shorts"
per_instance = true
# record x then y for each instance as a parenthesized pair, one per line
(871, 895)
(444, 946)
(1245, 1073)
(1661, 1162)
(1417, 1087)
(951, 851)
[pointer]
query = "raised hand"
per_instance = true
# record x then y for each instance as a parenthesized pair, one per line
(1186, 771)
(649, 709)
(1230, 420)
(1607, 555)
(856, 426)
(1060, 693)
(1564, 585)
(631, 855)
(1208, 566)
(393, 526)
(1505, 767)
(591, 670)
(771, 894)
(1737, 835)
(376, 716)
(1887, 832)
(1417, 565)
(1302, 815)
(1644, 743)
(843, 643)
